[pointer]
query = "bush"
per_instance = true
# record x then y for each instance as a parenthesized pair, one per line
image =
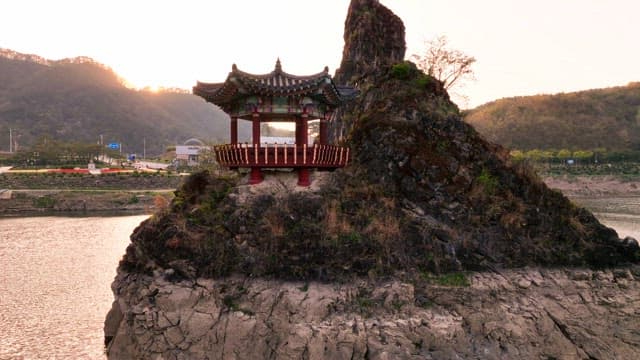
(401, 71)
(488, 181)
(424, 81)
(133, 200)
(457, 279)
(44, 202)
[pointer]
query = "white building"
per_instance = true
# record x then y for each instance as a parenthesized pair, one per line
(188, 154)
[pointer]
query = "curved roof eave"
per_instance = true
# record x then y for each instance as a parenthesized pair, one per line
(275, 83)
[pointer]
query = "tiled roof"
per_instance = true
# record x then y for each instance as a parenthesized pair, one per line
(240, 84)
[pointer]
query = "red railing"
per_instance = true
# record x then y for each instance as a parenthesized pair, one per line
(282, 155)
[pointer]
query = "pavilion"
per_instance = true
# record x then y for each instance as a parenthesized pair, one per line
(278, 97)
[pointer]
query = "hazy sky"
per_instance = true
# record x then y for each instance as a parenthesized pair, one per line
(521, 47)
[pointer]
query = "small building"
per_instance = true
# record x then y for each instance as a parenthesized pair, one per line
(187, 155)
(278, 97)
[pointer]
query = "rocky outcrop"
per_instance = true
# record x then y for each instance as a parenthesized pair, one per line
(515, 314)
(346, 268)
(424, 193)
(373, 39)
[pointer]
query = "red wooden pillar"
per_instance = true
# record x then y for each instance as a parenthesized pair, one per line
(234, 130)
(302, 138)
(298, 132)
(256, 175)
(233, 134)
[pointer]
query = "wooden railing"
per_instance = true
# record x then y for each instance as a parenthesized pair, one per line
(282, 155)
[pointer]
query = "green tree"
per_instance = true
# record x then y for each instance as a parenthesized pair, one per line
(564, 154)
(535, 155)
(583, 155)
(517, 155)
(548, 155)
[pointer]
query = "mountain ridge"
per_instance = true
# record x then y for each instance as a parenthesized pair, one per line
(581, 120)
(79, 99)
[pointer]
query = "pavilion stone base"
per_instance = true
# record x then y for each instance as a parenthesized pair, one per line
(304, 176)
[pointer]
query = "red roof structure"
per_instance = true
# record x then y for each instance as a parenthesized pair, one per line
(283, 97)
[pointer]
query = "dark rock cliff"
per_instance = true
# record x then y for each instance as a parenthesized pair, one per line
(425, 195)
(374, 39)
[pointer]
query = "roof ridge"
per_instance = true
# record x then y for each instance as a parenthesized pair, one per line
(278, 71)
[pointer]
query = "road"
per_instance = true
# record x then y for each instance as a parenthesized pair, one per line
(151, 165)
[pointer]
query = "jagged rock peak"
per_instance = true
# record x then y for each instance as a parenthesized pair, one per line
(373, 36)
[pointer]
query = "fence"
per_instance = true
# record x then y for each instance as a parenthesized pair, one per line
(282, 155)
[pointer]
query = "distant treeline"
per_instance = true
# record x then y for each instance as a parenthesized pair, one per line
(595, 156)
(49, 152)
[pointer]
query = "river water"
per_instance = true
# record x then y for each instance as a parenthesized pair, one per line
(56, 273)
(55, 279)
(621, 213)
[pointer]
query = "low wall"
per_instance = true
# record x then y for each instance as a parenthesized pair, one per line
(136, 181)
(26, 202)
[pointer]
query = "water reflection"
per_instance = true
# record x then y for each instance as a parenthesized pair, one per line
(55, 284)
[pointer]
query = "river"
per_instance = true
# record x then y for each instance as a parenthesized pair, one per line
(57, 271)
(55, 284)
(621, 213)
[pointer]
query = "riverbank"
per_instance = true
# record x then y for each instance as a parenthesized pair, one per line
(74, 181)
(29, 202)
(133, 193)
(594, 185)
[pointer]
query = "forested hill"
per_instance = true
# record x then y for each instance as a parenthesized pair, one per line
(79, 99)
(601, 118)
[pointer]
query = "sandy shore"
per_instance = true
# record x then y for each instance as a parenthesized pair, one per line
(594, 186)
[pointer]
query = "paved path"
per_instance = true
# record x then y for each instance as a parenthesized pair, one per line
(152, 165)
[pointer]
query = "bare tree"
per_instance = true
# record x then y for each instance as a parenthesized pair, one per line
(447, 65)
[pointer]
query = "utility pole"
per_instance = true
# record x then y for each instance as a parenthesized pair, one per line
(101, 155)
(10, 141)
(144, 148)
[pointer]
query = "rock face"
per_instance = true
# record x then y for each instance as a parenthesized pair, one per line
(374, 39)
(425, 195)
(516, 314)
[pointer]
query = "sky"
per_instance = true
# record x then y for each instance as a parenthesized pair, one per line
(521, 47)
